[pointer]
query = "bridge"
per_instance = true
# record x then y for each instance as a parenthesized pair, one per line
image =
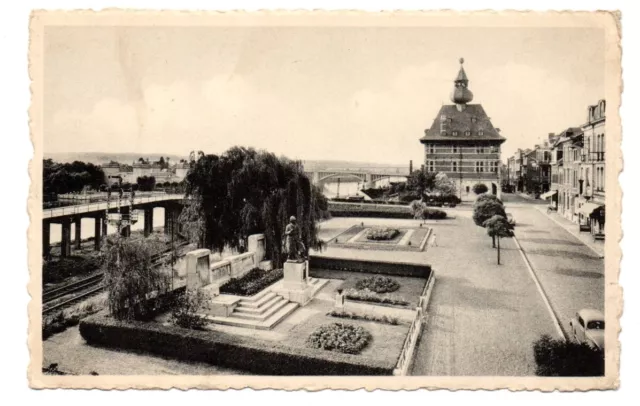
(172, 204)
(367, 176)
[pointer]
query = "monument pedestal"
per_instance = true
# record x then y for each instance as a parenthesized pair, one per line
(295, 284)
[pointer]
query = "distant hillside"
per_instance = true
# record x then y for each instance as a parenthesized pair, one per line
(104, 157)
(129, 157)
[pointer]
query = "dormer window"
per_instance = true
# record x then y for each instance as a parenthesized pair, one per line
(473, 119)
(455, 133)
(480, 133)
(443, 132)
(467, 133)
(443, 118)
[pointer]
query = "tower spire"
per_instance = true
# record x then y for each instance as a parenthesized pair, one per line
(461, 95)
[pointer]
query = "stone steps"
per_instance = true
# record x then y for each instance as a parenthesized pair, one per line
(268, 323)
(264, 312)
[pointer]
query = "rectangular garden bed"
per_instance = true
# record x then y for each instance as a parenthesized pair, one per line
(235, 351)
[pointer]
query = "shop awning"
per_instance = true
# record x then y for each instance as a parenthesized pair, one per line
(548, 194)
(588, 208)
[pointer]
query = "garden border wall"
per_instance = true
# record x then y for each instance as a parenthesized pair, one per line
(218, 348)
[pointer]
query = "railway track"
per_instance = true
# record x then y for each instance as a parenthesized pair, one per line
(86, 287)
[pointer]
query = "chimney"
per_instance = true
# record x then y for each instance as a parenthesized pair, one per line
(410, 166)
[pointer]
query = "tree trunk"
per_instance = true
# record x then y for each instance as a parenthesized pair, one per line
(498, 250)
(493, 241)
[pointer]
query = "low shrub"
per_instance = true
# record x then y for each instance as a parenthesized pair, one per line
(252, 282)
(366, 295)
(60, 321)
(354, 316)
(185, 309)
(433, 214)
(57, 270)
(378, 284)
(369, 210)
(339, 337)
(382, 233)
(567, 358)
(480, 188)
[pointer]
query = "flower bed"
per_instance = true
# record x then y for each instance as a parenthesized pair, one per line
(252, 282)
(382, 233)
(353, 316)
(339, 337)
(373, 297)
(378, 284)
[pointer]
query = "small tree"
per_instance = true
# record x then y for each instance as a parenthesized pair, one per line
(131, 277)
(498, 227)
(484, 210)
(444, 185)
(480, 188)
(417, 209)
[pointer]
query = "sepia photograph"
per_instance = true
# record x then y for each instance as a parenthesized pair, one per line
(325, 200)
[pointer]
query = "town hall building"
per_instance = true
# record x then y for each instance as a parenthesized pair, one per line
(463, 144)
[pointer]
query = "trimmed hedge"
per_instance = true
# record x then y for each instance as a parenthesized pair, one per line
(232, 351)
(369, 210)
(377, 267)
(433, 214)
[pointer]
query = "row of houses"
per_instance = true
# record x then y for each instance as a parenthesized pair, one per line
(118, 173)
(568, 169)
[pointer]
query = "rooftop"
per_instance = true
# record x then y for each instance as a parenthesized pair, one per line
(471, 117)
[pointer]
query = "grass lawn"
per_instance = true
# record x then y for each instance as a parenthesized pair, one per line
(418, 235)
(385, 345)
(410, 287)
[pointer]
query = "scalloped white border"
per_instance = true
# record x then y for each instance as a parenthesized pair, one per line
(609, 21)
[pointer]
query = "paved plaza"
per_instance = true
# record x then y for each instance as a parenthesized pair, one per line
(484, 317)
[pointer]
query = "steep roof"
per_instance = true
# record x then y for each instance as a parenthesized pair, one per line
(461, 121)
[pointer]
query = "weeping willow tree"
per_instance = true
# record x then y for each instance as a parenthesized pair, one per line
(244, 192)
(131, 276)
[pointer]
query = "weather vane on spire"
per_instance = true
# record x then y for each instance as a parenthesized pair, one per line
(461, 61)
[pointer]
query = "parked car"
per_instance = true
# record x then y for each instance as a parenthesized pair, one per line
(511, 220)
(588, 327)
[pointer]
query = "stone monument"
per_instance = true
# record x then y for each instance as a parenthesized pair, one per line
(295, 286)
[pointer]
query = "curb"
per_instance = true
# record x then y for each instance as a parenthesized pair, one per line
(601, 256)
(554, 317)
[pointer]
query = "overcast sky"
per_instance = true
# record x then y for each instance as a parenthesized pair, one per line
(360, 94)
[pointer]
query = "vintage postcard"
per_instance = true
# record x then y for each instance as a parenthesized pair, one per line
(325, 200)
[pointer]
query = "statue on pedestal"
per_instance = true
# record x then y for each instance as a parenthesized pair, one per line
(293, 247)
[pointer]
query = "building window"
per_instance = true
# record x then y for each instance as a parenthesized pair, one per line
(431, 166)
(443, 132)
(454, 167)
(454, 149)
(479, 166)
(467, 133)
(455, 133)
(479, 150)
(443, 118)
(432, 149)
(480, 133)
(473, 119)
